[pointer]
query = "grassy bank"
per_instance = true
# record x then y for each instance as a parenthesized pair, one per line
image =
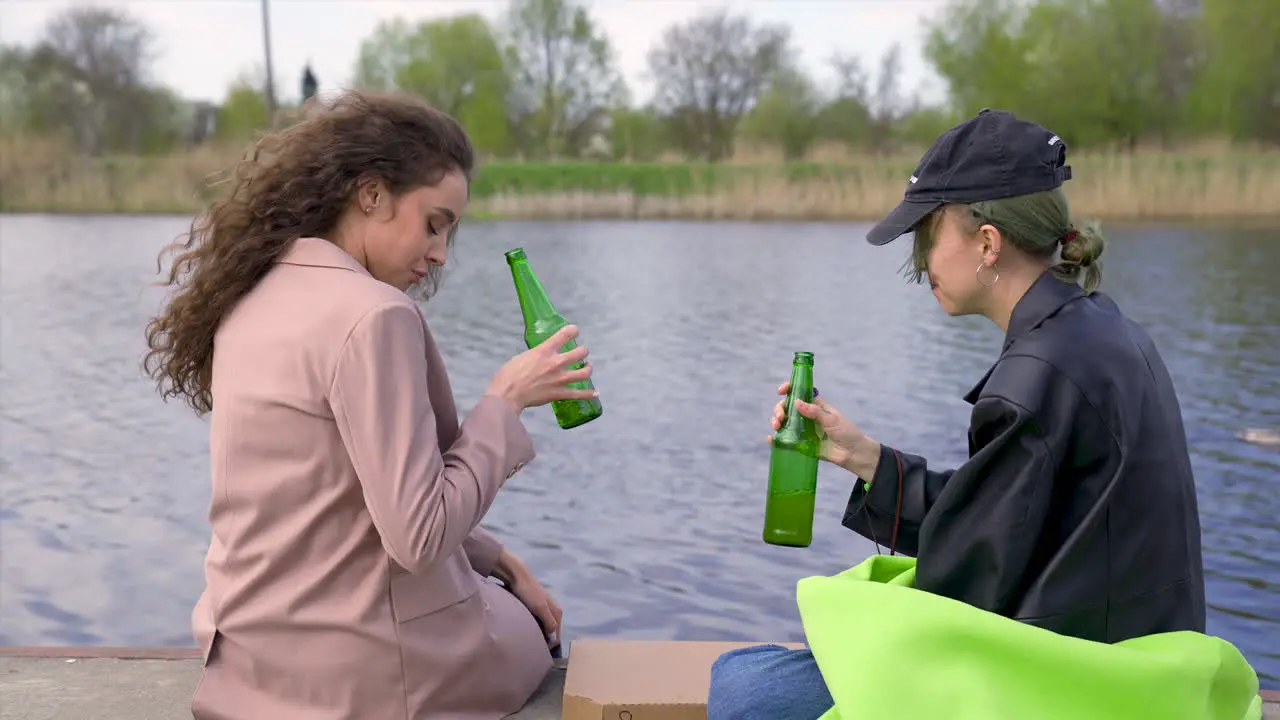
(1194, 184)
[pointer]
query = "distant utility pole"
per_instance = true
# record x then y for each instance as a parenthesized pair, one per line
(266, 43)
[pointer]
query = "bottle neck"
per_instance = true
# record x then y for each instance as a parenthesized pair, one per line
(534, 303)
(801, 388)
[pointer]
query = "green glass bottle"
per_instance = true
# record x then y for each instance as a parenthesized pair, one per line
(793, 466)
(541, 321)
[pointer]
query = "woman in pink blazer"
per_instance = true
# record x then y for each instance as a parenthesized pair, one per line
(347, 577)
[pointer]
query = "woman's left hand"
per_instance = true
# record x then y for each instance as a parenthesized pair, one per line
(522, 583)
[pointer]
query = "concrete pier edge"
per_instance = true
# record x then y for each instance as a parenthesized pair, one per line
(144, 683)
(174, 694)
(57, 652)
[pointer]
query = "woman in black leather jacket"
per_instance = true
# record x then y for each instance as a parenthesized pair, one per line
(1076, 511)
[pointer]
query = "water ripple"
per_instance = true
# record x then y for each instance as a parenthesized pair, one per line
(645, 523)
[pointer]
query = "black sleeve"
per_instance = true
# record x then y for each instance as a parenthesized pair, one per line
(873, 508)
(979, 534)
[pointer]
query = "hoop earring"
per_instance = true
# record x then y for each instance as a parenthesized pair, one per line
(978, 274)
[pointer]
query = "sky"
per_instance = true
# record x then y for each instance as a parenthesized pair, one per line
(204, 45)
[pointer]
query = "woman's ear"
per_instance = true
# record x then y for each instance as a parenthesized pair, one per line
(991, 240)
(369, 195)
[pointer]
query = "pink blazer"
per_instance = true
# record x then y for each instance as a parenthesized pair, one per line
(346, 574)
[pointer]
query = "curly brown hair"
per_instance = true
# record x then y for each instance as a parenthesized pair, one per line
(294, 183)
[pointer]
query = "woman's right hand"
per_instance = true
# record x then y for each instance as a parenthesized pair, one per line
(843, 443)
(542, 374)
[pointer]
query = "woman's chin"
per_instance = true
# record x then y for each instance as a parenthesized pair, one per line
(406, 284)
(953, 309)
(948, 306)
(943, 302)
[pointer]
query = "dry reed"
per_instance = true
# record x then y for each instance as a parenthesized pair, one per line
(1211, 181)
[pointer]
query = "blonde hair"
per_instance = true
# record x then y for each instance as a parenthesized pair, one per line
(1036, 224)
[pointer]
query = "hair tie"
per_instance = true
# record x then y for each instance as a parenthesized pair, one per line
(1071, 235)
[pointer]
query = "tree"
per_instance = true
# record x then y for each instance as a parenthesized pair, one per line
(565, 78)
(93, 63)
(17, 96)
(1095, 71)
(455, 64)
(708, 74)
(977, 46)
(847, 116)
(1239, 91)
(85, 79)
(1081, 94)
(635, 134)
(244, 111)
(922, 125)
(886, 104)
(786, 114)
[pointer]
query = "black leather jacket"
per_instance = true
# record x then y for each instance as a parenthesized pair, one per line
(1076, 510)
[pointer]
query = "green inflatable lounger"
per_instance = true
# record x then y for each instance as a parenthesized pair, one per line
(888, 650)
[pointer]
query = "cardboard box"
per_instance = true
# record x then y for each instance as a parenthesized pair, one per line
(641, 679)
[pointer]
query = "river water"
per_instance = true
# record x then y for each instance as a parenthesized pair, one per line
(645, 523)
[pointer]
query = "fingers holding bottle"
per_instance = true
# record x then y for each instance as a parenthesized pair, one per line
(544, 374)
(841, 439)
(561, 337)
(573, 364)
(780, 409)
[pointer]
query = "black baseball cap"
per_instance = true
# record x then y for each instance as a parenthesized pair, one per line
(990, 156)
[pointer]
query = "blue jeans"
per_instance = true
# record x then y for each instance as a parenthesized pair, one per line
(767, 682)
